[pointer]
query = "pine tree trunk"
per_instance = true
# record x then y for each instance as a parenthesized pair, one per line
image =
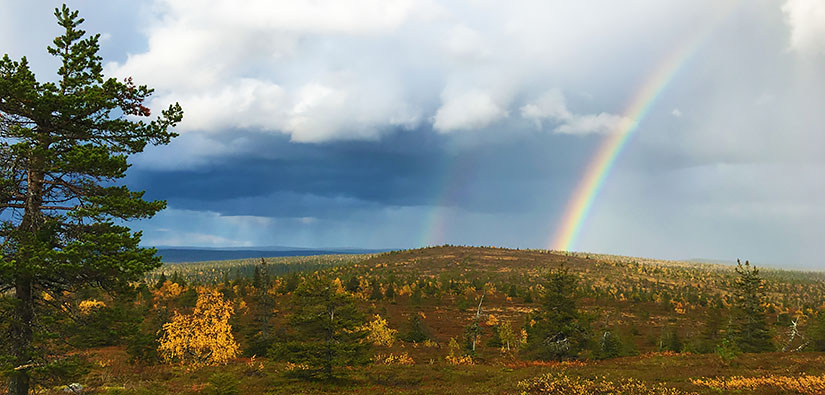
(22, 337)
(22, 334)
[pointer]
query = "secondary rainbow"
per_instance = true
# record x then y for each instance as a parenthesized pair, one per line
(597, 171)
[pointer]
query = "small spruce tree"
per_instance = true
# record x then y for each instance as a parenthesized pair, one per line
(749, 330)
(161, 280)
(328, 330)
(557, 333)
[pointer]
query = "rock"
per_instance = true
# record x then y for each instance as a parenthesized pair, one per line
(74, 388)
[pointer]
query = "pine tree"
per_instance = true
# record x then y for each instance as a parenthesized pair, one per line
(512, 291)
(64, 146)
(817, 332)
(749, 331)
(376, 290)
(416, 332)
(328, 330)
(266, 277)
(710, 335)
(390, 292)
(259, 333)
(353, 285)
(161, 280)
(256, 278)
(557, 333)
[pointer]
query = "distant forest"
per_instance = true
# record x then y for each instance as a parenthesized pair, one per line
(177, 255)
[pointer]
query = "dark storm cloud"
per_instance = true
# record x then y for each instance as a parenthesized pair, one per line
(403, 169)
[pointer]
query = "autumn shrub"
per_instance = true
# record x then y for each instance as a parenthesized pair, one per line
(455, 356)
(379, 333)
(203, 337)
(803, 384)
(558, 383)
(393, 359)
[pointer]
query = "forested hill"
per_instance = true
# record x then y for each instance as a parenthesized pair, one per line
(177, 255)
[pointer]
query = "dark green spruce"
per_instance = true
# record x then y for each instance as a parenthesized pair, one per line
(749, 330)
(64, 145)
(558, 332)
(325, 330)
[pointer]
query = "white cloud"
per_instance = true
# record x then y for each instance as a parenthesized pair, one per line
(330, 70)
(464, 43)
(253, 66)
(602, 123)
(552, 106)
(807, 21)
(473, 109)
(324, 71)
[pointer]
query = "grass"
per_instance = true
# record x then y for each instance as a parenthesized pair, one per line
(637, 299)
(260, 376)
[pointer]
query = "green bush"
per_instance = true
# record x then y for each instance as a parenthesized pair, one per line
(670, 341)
(817, 332)
(610, 346)
(222, 384)
(416, 331)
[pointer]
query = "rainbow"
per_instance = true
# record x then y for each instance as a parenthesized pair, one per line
(455, 178)
(597, 171)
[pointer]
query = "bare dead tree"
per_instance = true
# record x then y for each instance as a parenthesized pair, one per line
(793, 333)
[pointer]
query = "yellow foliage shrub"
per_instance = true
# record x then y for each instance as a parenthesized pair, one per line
(782, 384)
(203, 337)
(168, 290)
(339, 286)
(87, 306)
(392, 359)
(429, 343)
(295, 366)
(378, 333)
(557, 383)
(47, 297)
(455, 357)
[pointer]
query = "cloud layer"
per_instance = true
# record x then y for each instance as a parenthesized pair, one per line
(397, 123)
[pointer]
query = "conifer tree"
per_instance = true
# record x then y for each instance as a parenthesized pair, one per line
(376, 290)
(353, 285)
(817, 332)
(328, 329)
(259, 333)
(749, 329)
(390, 292)
(557, 333)
(161, 280)
(710, 335)
(63, 147)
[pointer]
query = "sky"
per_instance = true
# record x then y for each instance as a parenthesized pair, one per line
(406, 123)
